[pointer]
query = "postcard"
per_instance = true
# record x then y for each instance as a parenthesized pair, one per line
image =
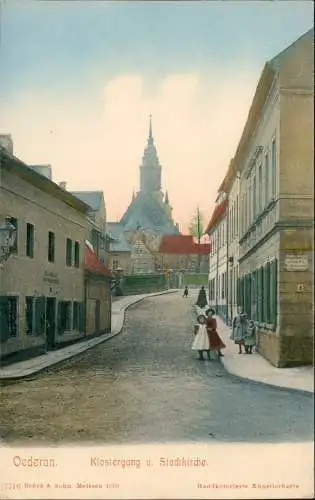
(156, 250)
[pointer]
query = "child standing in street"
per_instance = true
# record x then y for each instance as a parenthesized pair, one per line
(201, 340)
(250, 337)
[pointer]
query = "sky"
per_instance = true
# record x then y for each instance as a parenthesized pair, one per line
(80, 79)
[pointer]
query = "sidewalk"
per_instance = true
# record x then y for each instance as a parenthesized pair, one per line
(254, 367)
(31, 366)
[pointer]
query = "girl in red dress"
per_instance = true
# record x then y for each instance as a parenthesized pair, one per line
(216, 344)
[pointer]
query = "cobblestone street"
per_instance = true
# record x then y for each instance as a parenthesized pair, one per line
(147, 385)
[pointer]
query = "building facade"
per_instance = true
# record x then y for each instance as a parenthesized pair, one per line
(181, 253)
(218, 266)
(275, 162)
(97, 215)
(42, 292)
(97, 294)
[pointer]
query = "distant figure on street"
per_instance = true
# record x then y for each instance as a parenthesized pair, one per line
(215, 342)
(201, 340)
(185, 294)
(202, 298)
(239, 329)
(250, 337)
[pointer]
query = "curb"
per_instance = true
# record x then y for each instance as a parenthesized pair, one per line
(266, 384)
(101, 339)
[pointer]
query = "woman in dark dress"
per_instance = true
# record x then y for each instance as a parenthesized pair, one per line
(216, 343)
(202, 298)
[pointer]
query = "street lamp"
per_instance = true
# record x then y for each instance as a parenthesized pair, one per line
(7, 240)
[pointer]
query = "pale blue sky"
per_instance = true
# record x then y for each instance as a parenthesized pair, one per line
(43, 42)
(66, 53)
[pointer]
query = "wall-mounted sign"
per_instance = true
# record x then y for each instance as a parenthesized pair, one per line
(50, 277)
(296, 263)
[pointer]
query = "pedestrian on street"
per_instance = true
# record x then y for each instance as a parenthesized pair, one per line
(239, 329)
(250, 337)
(201, 340)
(185, 294)
(202, 298)
(215, 341)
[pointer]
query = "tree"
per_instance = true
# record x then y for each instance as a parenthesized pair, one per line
(196, 229)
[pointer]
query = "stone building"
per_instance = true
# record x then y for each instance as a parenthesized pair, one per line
(119, 248)
(42, 290)
(179, 252)
(275, 161)
(97, 216)
(97, 294)
(218, 264)
(135, 239)
(230, 186)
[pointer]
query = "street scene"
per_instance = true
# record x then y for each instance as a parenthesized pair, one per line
(147, 385)
(157, 246)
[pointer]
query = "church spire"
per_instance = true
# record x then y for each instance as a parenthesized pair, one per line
(150, 169)
(150, 139)
(166, 200)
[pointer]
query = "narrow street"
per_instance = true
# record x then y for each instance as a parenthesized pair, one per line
(146, 385)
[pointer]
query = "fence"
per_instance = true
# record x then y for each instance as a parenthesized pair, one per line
(143, 283)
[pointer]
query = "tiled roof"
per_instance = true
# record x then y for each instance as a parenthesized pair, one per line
(93, 264)
(91, 198)
(118, 242)
(217, 215)
(182, 244)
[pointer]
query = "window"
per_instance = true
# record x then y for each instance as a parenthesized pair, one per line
(8, 317)
(29, 314)
(273, 168)
(51, 246)
(115, 264)
(69, 252)
(273, 293)
(76, 315)
(260, 185)
(237, 217)
(14, 222)
(267, 293)
(267, 178)
(77, 254)
(29, 240)
(254, 199)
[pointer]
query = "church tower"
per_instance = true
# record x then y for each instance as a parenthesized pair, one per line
(149, 210)
(150, 169)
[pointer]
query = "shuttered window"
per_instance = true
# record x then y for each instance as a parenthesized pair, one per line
(267, 292)
(260, 295)
(273, 292)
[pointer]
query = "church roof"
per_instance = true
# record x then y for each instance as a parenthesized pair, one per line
(118, 242)
(182, 244)
(146, 213)
(91, 198)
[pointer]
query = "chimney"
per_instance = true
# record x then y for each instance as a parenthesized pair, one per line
(6, 142)
(63, 185)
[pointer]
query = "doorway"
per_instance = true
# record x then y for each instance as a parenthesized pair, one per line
(97, 315)
(50, 322)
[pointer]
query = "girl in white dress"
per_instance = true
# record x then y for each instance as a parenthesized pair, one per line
(201, 340)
